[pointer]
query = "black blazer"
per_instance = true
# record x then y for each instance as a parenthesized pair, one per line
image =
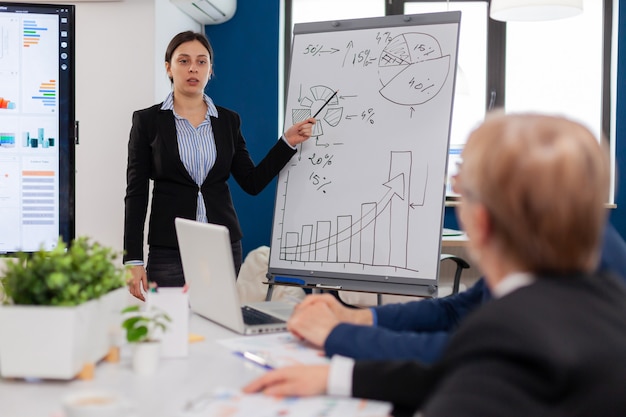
(554, 348)
(153, 154)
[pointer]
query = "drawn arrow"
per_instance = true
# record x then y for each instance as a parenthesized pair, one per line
(396, 184)
(317, 143)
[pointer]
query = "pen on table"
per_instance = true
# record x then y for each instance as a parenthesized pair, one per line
(324, 105)
(256, 359)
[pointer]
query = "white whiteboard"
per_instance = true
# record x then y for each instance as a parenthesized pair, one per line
(361, 204)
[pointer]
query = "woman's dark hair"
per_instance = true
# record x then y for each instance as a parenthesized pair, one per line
(187, 36)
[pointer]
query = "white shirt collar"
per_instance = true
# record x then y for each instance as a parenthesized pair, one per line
(168, 104)
(511, 283)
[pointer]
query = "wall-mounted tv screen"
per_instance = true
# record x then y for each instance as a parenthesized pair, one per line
(37, 126)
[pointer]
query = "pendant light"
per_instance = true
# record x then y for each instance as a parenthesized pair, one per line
(534, 10)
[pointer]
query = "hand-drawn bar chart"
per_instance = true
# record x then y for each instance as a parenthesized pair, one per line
(376, 235)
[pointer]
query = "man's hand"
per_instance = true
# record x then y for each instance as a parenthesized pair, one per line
(315, 317)
(312, 323)
(303, 380)
(343, 313)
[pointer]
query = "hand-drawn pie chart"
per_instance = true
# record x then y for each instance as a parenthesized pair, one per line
(412, 69)
(331, 113)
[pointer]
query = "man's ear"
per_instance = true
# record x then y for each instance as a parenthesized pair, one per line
(482, 225)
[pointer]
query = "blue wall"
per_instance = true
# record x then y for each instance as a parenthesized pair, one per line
(246, 80)
(618, 217)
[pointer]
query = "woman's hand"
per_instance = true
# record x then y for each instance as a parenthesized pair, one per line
(138, 279)
(300, 132)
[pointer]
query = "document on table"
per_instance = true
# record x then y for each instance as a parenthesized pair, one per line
(233, 403)
(278, 349)
(451, 232)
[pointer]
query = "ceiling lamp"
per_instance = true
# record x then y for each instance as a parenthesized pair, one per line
(534, 10)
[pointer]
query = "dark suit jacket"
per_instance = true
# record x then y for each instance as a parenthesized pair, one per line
(153, 154)
(554, 348)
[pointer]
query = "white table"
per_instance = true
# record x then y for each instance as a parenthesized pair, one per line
(208, 366)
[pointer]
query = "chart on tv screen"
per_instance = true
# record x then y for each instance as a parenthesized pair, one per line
(34, 73)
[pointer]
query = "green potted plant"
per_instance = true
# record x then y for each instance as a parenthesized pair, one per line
(60, 299)
(142, 331)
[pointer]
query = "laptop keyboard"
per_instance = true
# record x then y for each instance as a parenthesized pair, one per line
(252, 316)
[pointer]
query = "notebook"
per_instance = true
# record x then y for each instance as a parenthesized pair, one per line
(209, 271)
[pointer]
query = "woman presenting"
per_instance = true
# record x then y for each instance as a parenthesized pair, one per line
(189, 147)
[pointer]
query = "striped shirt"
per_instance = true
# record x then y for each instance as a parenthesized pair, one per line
(196, 146)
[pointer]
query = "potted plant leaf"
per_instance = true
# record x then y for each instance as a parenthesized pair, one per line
(142, 331)
(56, 299)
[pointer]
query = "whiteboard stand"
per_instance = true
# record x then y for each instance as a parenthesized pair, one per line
(360, 205)
(461, 264)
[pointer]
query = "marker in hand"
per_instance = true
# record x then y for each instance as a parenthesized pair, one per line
(324, 105)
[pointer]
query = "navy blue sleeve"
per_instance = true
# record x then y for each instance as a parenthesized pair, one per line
(613, 255)
(417, 330)
(367, 342)
(432, 315)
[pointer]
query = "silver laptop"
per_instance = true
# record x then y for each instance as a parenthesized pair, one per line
(210, 273)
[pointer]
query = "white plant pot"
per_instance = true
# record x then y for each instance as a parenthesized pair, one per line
(146, 357)
(45, 341)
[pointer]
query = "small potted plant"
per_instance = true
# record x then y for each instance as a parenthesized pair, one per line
(53, 299)
(142, 331)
